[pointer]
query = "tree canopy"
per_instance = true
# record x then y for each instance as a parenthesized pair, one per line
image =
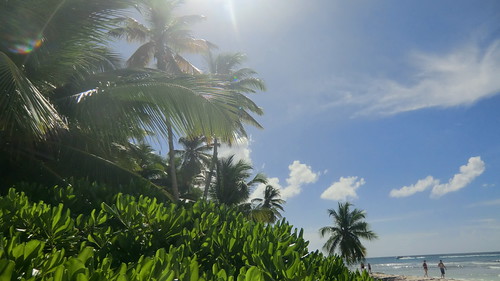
(345, 235)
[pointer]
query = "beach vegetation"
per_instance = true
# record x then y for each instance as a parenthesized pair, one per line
(75, 235)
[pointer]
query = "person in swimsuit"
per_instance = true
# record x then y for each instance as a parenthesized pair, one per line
(425, 269)
(442, 268)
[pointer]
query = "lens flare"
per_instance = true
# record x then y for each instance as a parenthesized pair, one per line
(26, 46)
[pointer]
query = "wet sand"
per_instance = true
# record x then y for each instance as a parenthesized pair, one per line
(388, 277)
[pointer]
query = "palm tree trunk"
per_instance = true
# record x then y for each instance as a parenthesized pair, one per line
(161, 64)
(171, 162)
(210, 171)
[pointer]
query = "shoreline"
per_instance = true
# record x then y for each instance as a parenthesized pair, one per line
(391, 277)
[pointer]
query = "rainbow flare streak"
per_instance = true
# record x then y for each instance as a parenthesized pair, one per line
(26, 47)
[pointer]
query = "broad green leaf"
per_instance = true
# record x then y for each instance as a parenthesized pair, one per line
(194, 271)
(6, 269)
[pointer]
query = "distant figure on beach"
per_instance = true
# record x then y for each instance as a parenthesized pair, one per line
(362, 266)
(369, 268)
(425, 269)
(442, 268)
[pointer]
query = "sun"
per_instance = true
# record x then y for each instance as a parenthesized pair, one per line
(219, 7)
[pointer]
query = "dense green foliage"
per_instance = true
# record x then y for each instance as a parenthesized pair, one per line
(80, 233)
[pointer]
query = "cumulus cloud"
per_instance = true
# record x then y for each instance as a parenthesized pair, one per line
(343, 189)
(300, 174)
(240, 149)
(460, 77)
(474, 168)
(420, 186)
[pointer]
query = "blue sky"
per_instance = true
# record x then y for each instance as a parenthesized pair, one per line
(391, 105)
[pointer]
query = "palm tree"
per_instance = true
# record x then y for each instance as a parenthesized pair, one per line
(345, 234)
(232, 186)
(142, 159)
(194, 158)
(238, 81)
(163, 40)
(63, 105)
(270, 206)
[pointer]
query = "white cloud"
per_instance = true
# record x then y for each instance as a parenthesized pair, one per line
(240, 149)
(300, 174)
(343, 189)
(420, 186)
(461, 77)
(474, 168)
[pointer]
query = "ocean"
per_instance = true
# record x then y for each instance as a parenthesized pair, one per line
(466, 266)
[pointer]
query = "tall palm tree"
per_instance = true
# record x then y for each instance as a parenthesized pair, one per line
(345, 234)
(238, 81)
(232, 186)
(164, 40)
(271, 205)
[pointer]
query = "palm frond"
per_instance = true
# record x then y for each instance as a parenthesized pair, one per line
(24, 111)
(185, 66)
(142, 56)
(131, 30)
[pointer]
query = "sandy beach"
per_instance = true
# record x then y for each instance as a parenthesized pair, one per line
(388, 277)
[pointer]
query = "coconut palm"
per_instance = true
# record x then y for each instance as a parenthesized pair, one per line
(232, 186)
(270, 206)
(163, 40)
(194, 158)
(238, 81)
(141, 158)
(348, 229)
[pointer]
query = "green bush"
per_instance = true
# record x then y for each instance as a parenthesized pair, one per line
(126, 237)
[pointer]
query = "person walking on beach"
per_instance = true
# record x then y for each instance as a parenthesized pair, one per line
(442, 268)
(425, 269)
(369, 268)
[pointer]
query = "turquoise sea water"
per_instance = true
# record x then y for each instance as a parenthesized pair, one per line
(466, 266)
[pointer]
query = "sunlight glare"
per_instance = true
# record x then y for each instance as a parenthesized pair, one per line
(230, 9)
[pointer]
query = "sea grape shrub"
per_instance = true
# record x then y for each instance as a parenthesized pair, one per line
(142, 238)
(82, 196)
